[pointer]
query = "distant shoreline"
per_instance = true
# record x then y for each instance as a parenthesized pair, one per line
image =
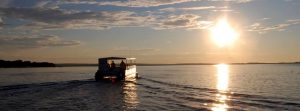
(143, 64)
(24, 64)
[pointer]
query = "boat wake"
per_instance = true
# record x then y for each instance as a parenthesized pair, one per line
(139, 94)
(185, 96)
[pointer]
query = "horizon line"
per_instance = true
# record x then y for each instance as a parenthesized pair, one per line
(151, 64)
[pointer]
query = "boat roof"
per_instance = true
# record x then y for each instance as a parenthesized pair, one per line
(117, 58)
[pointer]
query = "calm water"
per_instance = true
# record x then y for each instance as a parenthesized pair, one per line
(191, 87)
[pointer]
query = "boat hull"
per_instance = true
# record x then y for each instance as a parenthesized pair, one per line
(117, 74)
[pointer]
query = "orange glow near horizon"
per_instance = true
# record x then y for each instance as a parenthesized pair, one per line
(223, 34)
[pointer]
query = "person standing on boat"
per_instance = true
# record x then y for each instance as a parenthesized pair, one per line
(123, 68)
(112, 65)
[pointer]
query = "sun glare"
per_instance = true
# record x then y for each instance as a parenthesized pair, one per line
(223, 34)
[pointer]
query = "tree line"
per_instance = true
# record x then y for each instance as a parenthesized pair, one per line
(21, 63)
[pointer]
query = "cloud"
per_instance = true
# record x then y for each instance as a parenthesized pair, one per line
(181, 21)
(265, 19)
(54, 4)
(48, 14)
(4, 3)
(40, 14)
(30, 4)
(294, 21)
(143, 3)
(237, 1)
(54, 18)
(187, 21)
(169, 9)
(1, 23)
(137, 3)
(223, 10)
(57, 3)
(37, 19)
(173, 9)
(51, 40)
(36, 41)
(198, 8)
(257, 27)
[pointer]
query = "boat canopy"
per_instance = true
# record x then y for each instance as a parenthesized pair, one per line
(116, 58)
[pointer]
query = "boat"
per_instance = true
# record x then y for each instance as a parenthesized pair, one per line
(116, 68)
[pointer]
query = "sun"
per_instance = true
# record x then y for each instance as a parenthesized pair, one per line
(223, 34)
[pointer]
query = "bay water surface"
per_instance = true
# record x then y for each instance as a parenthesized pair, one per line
(179, 87)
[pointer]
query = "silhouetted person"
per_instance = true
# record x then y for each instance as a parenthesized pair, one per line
(123, 65)
(106, 67)
(123, 68)
(112, 65)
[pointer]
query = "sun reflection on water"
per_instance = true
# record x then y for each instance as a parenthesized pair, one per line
(222, 77)
(130, 94)
(222, 86)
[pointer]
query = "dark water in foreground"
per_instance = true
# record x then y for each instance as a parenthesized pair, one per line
(204, 87)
